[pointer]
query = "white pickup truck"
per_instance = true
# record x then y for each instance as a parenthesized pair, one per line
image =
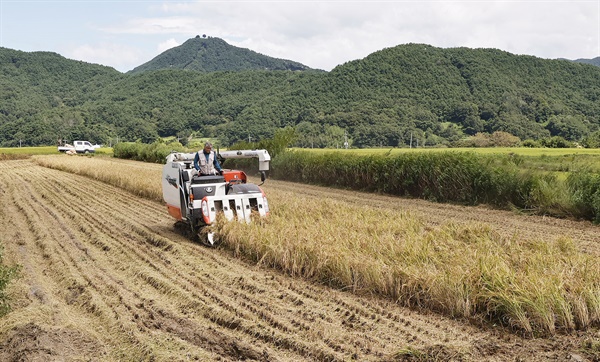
(77, 147)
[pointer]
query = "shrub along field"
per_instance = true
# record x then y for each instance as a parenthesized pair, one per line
(469, 269)
(540, 159)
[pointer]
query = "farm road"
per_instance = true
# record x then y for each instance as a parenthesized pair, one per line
(105, 277)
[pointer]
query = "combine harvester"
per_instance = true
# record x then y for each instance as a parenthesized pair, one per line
(196, 200)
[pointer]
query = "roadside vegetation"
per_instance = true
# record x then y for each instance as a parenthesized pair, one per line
(155, 152)
(467, 270)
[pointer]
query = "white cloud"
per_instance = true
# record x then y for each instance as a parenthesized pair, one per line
(325, 34)
(154, 25)
(328, 33)
(168, 44)
(117, 56)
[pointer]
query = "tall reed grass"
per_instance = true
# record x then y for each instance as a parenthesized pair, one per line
(584, 188)
(155, 152)
(448, 176)
(462, 177)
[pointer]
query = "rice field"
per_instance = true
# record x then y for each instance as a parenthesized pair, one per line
(537, 286)
(328, 276)
(525, 151)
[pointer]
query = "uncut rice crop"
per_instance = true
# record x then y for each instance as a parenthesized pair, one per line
(139, 178)
(460, 270)
(41, 150)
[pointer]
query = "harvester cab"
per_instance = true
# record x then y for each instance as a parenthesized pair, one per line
(196, 200)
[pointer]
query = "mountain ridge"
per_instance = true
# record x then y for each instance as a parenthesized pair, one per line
(593, 61)
(210, 54)
(439, 96)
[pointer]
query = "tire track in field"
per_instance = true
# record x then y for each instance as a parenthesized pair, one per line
(307, 350)
(97, 282)
(259, 310)
(112, 267)
(217, 301)
(69, 258)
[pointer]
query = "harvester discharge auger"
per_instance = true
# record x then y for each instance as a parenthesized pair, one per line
(196, 200)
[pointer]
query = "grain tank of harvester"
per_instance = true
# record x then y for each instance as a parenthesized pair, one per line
(196, 200)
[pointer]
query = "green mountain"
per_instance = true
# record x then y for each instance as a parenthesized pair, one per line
(214, 54)
(478, 90)
(594, 61)
(412, 91)
(40, 91)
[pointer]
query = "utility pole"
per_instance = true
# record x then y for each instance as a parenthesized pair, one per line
(410, 140)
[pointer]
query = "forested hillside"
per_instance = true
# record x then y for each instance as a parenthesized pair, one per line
(214, 54)
(41, 95)
(594, 61)
(431, 95)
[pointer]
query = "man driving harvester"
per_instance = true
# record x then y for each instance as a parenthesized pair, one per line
(206, 162)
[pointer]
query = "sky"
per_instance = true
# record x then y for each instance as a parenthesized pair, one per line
(319, 34)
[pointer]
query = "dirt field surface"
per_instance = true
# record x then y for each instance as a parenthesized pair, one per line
(106, 277)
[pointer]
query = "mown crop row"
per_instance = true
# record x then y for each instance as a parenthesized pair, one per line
(6, 275)
(12, 156)
(462, 177)
(468, 270)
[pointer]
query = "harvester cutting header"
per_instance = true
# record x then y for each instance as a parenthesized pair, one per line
(196, 197)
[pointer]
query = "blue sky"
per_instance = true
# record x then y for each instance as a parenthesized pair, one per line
(320, 34)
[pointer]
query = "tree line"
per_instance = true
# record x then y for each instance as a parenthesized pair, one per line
(401, 96)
